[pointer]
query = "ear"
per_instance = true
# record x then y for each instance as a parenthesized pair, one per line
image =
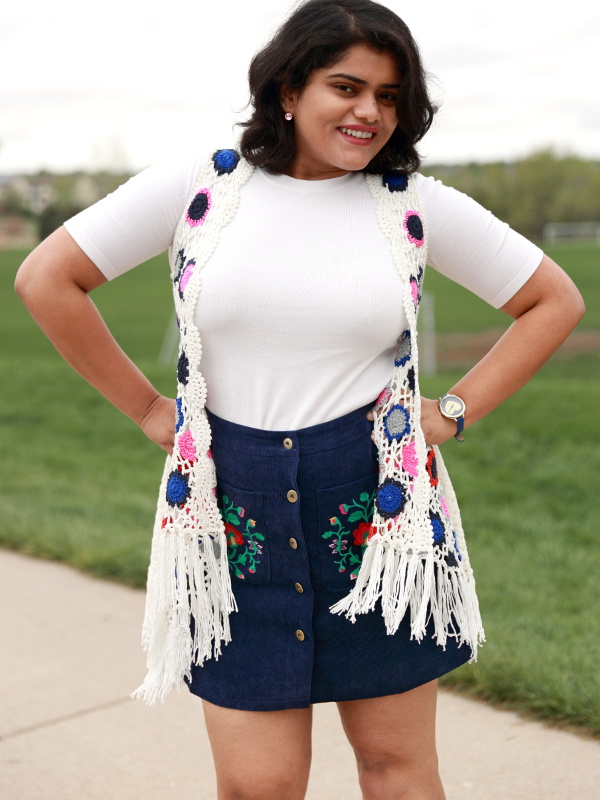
(288, 97)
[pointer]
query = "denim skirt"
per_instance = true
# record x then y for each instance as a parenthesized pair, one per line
(297, 507)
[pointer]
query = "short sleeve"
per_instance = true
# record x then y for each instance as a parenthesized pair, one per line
(472, 247)
(138, 220)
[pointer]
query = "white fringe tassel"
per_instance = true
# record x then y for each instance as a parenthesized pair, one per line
(179, 590)
(408, 580)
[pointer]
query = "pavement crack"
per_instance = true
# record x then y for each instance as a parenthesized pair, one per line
(84, 712)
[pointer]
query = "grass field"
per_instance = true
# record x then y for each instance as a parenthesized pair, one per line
(78, 483)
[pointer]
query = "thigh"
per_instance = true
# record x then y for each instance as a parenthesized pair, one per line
(395, 729)
(260, 754)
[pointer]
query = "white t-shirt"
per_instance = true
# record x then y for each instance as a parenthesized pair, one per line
(301, 303)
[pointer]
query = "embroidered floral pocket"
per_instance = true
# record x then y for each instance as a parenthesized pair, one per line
(247, 550)
(345, 517)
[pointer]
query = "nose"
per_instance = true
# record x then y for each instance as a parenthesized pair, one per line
(367, 108)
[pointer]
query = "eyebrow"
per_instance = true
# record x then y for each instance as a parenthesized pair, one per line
(360, 80)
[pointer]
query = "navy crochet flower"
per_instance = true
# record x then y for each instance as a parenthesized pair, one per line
(410, 379)
(199, 208)
(179, 415)
(225, 161)
(414, 228)
(396, 422)
(395, 181)
(178, 489)
(437, 527)
(179, 265)
(456, 550)
(403, 350)
(390, 498)
(183, 368)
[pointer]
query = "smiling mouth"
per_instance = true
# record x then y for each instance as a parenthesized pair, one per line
(357, 134)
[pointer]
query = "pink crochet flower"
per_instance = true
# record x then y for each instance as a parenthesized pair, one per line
(444, 506)
(414, 290)
(187, 447)
(410, 463)
(187, 274)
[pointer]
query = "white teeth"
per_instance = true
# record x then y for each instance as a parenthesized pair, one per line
(357, 134)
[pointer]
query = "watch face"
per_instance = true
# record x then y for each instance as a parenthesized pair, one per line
(452, 406)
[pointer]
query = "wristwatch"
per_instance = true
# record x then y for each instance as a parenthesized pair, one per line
(452, 407)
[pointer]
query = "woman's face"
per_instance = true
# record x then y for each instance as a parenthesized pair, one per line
(344, 114)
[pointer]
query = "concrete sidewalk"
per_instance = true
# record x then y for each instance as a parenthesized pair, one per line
(68, 730)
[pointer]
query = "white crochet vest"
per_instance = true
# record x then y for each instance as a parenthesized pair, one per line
(416, 558)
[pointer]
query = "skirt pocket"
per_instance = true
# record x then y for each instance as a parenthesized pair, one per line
(345, 514)
(247, 548)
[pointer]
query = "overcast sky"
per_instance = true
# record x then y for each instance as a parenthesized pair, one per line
(120, 84)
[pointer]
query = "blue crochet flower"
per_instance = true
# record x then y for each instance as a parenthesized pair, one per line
(395, 181)
(183, 368)
(390, 498)
(178, 489)
(179, 415)
(403, 351)
(456, 550)
(437, 526)
(396, 422)
(225, 161)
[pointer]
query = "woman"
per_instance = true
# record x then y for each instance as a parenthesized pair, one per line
(329, 566)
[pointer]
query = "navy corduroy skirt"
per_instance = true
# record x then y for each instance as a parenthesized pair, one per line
(297, 507)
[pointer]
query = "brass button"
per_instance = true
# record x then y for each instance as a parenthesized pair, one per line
(300, 635)
(298, 587)
(292, 496)
(288, 444)
(293, 543)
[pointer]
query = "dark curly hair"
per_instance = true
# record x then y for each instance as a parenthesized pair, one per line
(317, 35)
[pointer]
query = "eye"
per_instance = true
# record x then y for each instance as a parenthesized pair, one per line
(390, 98)
(344, 88)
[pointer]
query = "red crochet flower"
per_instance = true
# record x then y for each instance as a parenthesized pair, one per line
(432, 468)
(234, 537)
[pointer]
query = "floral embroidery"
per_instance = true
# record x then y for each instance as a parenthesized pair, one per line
(390, 498)
(345, 544)
(432, 470)
(225, 161)
(395, 181)
(396, 422)
(244, 551)
(199, 208)
(414, 228)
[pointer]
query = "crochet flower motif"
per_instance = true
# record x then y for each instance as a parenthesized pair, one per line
(390, 498)
(178, 489)
(186, 275)
(414, 228)
(345, 542)
(437, 527)
(444, 506)
(225, 161)
(183, 368)
(410, 463)
(396, 422)
(187, 447)
(395, 181)
(403, 351)
(199, 208)
(178, 414)
(244, 548)
(410, 379)
(432, 469)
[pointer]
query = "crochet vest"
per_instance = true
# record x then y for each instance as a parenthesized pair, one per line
(415, 559)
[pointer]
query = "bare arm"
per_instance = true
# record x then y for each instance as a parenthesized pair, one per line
(53, 282)
(545, 310)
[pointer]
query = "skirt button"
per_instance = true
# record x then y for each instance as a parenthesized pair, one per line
(288, 444)
(292, 496)
(298, 587)
(293, 543)
(300, 635)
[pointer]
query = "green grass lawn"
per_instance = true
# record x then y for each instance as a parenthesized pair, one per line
(79, 481)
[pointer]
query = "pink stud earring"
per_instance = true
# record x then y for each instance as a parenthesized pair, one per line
(289, 117)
